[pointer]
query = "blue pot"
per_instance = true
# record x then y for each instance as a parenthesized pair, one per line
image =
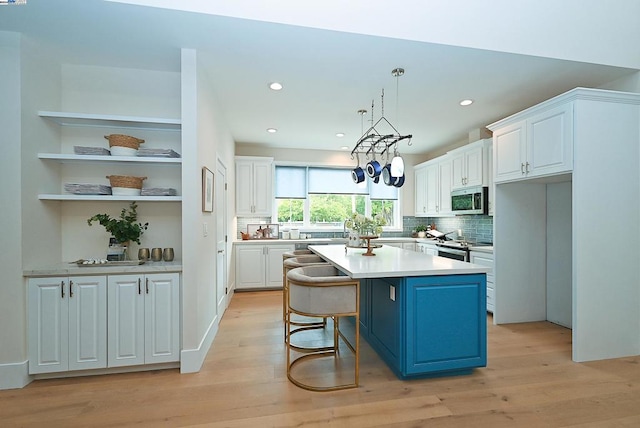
(374, 168)
(357, 174)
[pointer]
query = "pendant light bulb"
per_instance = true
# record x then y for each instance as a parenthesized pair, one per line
(397, 166)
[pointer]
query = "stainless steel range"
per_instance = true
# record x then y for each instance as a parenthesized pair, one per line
(457, 250)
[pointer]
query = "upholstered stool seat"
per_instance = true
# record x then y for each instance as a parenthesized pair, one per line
(287, 265)
(322, 291)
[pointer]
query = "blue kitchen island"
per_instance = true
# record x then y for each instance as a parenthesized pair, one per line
(424, 315)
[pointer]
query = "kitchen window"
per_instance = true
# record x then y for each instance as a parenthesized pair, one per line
(321, 198)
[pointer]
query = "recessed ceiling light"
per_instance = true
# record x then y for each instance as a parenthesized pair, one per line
(466, 102)
(340, 134)
(276, 86)
(344, 148)
(272, 130)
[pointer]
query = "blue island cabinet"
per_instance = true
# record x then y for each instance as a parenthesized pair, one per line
(426, 326)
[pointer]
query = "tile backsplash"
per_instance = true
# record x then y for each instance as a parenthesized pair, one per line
(474, 228)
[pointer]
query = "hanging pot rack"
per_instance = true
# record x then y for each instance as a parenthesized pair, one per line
(372, 142)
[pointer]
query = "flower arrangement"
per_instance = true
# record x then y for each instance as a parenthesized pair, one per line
(366, 225)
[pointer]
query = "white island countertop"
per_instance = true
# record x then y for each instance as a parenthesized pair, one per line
(391, 262)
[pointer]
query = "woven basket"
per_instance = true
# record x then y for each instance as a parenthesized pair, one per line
(124, 141)
(126, 181)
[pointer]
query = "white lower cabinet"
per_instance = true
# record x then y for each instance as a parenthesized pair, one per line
(486, 259)
(96, 322)
(143, 318)
(260, 266)
(67, 326)
(427, 248)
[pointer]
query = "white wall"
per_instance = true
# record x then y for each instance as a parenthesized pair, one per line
(205, 137)
(519, 241)
(118, 91)
(559, 240)
(12, 292)
(606, 278)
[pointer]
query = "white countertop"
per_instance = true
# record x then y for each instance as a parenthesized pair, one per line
(312, 241)
(392, 262)
(66, 269)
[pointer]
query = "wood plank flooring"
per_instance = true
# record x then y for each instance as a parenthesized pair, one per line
(530, 381)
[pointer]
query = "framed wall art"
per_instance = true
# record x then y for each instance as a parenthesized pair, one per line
(207, 190)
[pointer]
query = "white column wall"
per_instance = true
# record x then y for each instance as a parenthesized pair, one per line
(204, 137)
(606, 182)
(12, 293)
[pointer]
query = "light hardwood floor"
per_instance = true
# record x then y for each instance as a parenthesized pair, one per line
(529, 381)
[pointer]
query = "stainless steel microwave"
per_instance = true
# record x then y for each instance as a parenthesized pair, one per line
(472, 200)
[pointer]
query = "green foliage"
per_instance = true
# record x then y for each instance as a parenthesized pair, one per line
(290, 210)
(124, 229)
(421, 228)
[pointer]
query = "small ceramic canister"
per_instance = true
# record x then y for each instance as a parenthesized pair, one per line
(167, 254)
(156, 254)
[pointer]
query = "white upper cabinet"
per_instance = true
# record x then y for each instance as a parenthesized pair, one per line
(534, 145)
(433, 182)
(469, 165)
(253, 186)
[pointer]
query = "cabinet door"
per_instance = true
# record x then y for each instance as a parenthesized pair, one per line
(550, 142)
(262, 188)
(244, 188)
(509, 152)
(445, 178)
(162, 318)
(48, 325)
(474, 166)
(250, 266)
(87, 322)
(432, 190)
(274, 264)
(125, 342)
(421, 192)
(458, 171)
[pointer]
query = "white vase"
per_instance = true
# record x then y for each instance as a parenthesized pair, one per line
(422, 234)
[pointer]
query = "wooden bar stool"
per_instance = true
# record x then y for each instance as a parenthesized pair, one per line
(322, 291)
(287, 265)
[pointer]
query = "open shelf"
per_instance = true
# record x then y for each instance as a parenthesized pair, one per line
(70, 197)
(112, 121)
(73, 158)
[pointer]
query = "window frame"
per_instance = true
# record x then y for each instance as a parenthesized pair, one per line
(308, 227)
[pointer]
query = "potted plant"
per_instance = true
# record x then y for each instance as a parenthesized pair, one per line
(123, 229)
(422, 230)
(361, 226)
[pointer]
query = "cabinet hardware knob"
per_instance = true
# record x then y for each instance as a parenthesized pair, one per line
(139, 288)
(527, 167)
(70, 289)
(522, 167)
(62, 289)
(146, 285)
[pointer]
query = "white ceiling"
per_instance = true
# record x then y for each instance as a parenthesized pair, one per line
(327, 75)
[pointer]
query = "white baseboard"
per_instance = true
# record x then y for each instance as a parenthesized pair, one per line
(191, 360)
(16, 375)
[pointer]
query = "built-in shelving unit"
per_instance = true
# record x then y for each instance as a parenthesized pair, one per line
(122, 123)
